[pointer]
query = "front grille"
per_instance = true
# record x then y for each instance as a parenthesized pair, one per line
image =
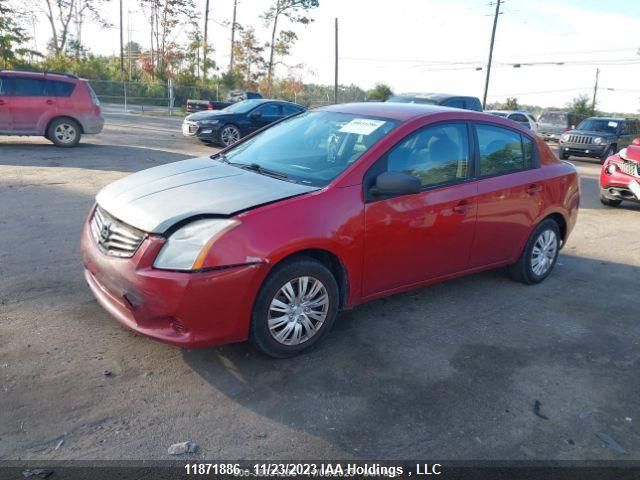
(116, 238)
(580, 139)
(630, 168)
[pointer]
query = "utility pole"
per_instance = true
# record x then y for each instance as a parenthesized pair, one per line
(595, 93)
(121, 41)
(205, 45)
(335, 82)
(493, 37)
(233, 33)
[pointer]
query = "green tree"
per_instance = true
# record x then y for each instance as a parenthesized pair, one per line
(380, 92)
(296, 12)
(12, 37)
(511, 104)
(249, 59)
(581, 104)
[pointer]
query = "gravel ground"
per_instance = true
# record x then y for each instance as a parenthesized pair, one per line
(474, 368)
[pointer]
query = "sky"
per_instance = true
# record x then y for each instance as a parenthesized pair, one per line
(436, 45)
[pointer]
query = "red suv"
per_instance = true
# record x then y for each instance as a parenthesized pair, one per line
(59, 106)
(324, 210)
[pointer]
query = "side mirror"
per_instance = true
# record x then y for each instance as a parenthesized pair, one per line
(255, 115)
(396, 183)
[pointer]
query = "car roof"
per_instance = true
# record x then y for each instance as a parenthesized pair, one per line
(613, 119)
(30, 73)
(438, 97)
(391, 110)
(509, 112)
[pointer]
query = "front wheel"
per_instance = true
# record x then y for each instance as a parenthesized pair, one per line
(295, 308)
(539, 255)
(610, 202)
(64, 132)
(608, 152)
(229, 134)
(564, 156)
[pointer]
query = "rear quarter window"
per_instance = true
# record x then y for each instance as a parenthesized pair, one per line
(60, 89)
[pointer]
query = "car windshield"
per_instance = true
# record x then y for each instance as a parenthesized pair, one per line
(554, 118)
(242, 107)
(425, 101)
(312, 148)
(599, 125)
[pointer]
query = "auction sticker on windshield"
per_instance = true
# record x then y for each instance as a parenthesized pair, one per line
(361, 126)
(613, 124)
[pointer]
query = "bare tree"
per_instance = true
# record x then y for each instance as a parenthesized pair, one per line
(296, 12)
(60, 13)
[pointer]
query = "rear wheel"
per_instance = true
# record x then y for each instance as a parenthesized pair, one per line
(64, 132)
(610, 202)
(539, 255)
(295, 308)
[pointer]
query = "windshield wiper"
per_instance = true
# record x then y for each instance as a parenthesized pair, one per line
(255, 167)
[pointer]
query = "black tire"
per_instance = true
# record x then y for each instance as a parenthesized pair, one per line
(64, 132)
(224, 139)
(260, 334)
(523, 269)
(611, 150)
(610, 202)
(564, 156)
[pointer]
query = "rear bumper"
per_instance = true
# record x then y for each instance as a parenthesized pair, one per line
(93, 125)
(182, 309)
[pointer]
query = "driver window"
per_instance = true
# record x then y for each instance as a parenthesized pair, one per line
(435, 155)
(269, 110)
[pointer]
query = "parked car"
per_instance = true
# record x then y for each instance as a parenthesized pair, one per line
(227, 126)
(241, 95)
(269, 238)
(598, 137)
(199, 105)
(552, 124)
(442, 99)
(620, 176)
(58, 106)
(525, 119)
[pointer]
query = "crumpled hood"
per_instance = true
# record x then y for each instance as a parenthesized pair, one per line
(153, 200)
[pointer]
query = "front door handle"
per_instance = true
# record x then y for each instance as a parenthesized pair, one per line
(2, 102)
(461, 208)
(533, 189)
(50, 102)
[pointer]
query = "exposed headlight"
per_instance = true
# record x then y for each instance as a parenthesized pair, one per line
(208, 122)
(564, 138)
(187, 247)
(598, 140)
(611, 168)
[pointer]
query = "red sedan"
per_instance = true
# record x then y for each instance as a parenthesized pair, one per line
(270, 238)
(620, 176)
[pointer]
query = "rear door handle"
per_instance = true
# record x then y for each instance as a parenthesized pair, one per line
(533, 189)
(50, 102)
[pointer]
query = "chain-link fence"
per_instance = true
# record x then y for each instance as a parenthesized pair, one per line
(168, 97)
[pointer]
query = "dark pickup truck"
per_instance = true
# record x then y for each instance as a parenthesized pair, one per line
(199, 105)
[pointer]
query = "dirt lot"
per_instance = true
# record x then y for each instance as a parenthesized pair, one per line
(476, 368)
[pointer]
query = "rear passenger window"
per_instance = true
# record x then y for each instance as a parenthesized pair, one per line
(289, 110)
(455, 103)
(518, 117)
(59, 89)
(503, 151)
(435, 155)
(29, 87)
